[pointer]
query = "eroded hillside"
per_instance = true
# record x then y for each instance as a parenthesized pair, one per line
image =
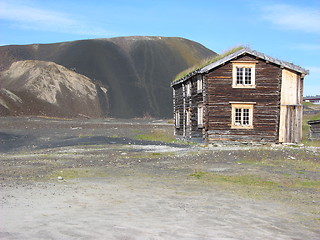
(137, 71)
(45, 88)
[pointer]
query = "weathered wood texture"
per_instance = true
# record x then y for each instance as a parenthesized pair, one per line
(314, 130)
(219, 94)
(187, 105)
(290, 127)
(178, 107)
(266, 95)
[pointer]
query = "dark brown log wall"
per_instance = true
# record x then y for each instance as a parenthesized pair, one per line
(184, 103)
(266, 110)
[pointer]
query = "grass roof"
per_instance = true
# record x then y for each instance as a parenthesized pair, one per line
(206, 62)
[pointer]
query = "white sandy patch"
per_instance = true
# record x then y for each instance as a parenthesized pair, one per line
(138, 208)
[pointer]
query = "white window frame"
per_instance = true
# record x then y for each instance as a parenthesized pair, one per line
(244, 65)
(200, 116)
(188, 117)
(246, 115)
(188, 89)
(199, 83)
(177, 119)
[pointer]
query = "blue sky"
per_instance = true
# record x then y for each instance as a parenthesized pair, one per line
(285, 29)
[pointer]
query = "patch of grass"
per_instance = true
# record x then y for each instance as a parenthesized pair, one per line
(157, 135)
(114, 136)
(308, 104)
(249, 180)
(72, 173)
(136, 131)
(254, 181)
(198, 175)
(308, 184)
(206, 62)
(295, 164)
(85, 135)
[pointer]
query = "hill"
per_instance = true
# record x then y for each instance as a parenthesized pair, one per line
(137, 71)
(45, 88)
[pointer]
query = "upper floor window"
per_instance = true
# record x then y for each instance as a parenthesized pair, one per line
(188, 89)
(244, 74)
(199, 83)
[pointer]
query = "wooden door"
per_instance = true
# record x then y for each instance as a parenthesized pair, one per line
(290, 127)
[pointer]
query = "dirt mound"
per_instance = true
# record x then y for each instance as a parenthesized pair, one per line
(137, 70)
(46, 88)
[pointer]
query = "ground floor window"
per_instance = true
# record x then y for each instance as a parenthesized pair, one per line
(242, 115)
(188, 117)
(177, 119)
(200, 115)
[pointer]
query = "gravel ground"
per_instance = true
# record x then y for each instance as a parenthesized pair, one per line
(113, 186)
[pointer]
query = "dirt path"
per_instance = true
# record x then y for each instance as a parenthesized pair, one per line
(140, 190)
(144, 208)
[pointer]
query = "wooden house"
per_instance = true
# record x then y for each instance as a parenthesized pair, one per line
(314, 129)
(244, 96)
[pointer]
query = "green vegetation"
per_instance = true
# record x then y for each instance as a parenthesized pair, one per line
(308, 104)
(253, 185)
(287, 175)
(85, 135)
(114, 136)
(297, 165)
(206, 62)
(71, 173)
(249, 180)
(157, 135)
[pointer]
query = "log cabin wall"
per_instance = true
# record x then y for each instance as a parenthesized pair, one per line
(178, 109)
(265, 98)
(186, 104)
(196, 101)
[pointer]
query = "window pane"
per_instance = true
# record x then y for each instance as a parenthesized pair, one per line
(200, 115)
(239, 75)
(199, 84)
(247, 76)
(237, 116)
(246, 116)
(177, 118)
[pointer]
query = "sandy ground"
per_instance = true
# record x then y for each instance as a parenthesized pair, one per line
(116, 187)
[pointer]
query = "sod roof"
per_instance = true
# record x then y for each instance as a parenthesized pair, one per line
(210, 64)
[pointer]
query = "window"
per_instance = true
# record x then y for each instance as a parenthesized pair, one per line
(188, 89)
(243, 75)
(200, 116)
(177, 119)
(242, 115)
(199, 84)
(188, 117)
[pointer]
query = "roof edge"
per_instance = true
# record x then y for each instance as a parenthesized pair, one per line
(238, 53)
